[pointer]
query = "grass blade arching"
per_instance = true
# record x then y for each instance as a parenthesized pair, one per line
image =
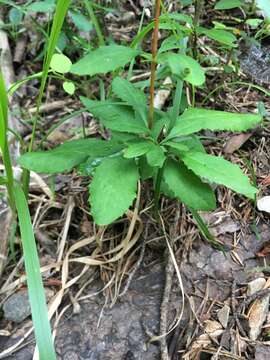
(34, 281)
(58, 20)
(4, 142)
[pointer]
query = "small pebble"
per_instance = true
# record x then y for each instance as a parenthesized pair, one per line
(263, 204)
(17, 307)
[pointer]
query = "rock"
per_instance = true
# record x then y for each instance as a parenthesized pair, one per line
(223, 315)
(262, 352)
(220, 222)
(17, 307)
(255, 285)
(263, 204)
(258, 310)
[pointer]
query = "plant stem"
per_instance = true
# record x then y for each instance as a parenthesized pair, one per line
(197, 15)
(58, 19)
(89, 7)
(153, 65)
(178, 91)
(130, 70)
(157, 187)
(176, 103)
(10, 179)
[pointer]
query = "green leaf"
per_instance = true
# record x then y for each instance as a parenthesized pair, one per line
(219, 171)
(169, 43)
(227, 4)
(195, 119)
(177, 16)
(67, 156)
(58, 20)
(15, 16)
(177, 145)
(184, 144)
(3, 113)
(146, 171)
(185, 68)
(131, 95)
(103, 60)
(254, 23)
(69, 87)
(87, 168)
(155, 156)
(42, 6)
(81, 21)
(34, 281)
(192, 142)
(219, 35)
(62, 41)
(60, 63)
(137, 148)
(154, 153)
(161, 119)
(187, 187)
(264, 6)
(113, 189)
(206, 233)
(3, 180)
(124, 138)
(115, 117)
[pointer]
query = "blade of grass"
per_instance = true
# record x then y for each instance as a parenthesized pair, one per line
(178, 91)
(59, 123)
(4, 142)
(89, 7)
(205, 231)
(132, 63)
(34, 281)
(19, 206)
(140, 36)
(58, 20)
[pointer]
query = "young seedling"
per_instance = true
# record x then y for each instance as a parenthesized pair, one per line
(147, 143)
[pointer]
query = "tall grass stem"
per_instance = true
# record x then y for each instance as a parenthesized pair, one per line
(92, 15)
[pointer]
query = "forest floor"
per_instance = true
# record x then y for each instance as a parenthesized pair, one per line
(205, 302)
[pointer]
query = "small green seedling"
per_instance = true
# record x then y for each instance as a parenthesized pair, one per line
(147, 144)
(174, 158)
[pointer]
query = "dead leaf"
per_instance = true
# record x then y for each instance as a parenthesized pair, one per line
(266, 181)
(265, 250)
(235, 142)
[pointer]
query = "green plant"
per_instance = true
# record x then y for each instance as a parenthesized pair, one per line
(147, 143)
(18, 199)
(18, 204)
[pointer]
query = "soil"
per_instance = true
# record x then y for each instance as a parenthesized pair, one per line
(121, 331)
